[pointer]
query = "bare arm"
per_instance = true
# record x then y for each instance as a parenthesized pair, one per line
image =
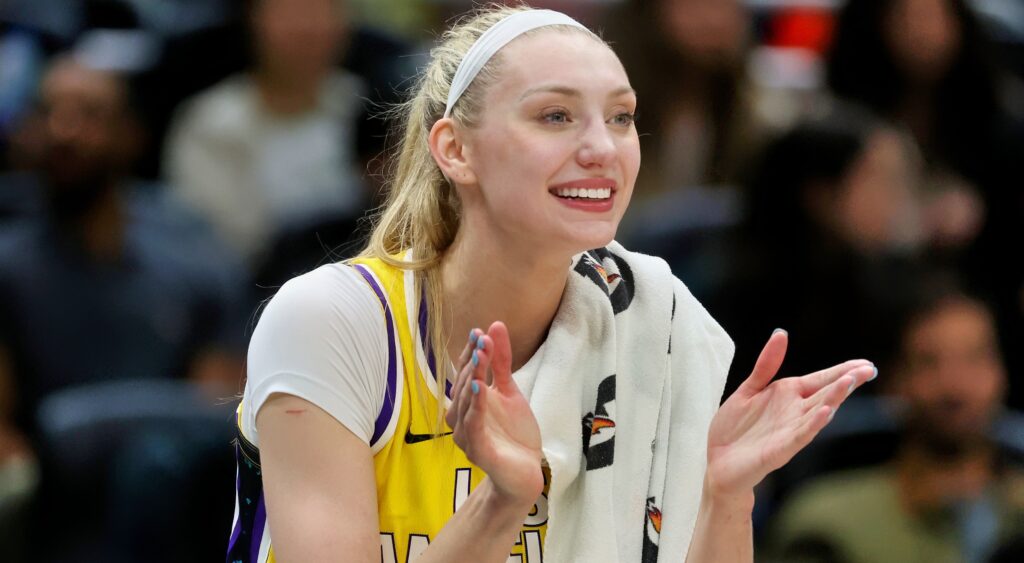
(724, 530)
(319, 481)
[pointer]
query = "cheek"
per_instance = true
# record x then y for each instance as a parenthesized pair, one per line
(988, 385)
(513, 158)
(631, 158)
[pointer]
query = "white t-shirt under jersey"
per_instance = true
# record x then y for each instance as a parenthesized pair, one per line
(322, 338)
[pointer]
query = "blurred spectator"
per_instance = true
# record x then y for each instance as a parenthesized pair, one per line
(111, 282)
(686, 60)
(32, 31)
(276, 146)
(948, 496)
(928, 66)
(829, 248)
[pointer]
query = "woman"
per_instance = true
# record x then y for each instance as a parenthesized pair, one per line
(698, 118)
(519, 154)
(833, 231)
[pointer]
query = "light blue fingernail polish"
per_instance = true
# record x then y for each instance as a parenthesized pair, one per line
(874, 375)
(474, 387)
(475, 359)
(480, 344)
(778, 330)
(472, 335)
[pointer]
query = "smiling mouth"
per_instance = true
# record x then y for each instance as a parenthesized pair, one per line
(583, 193)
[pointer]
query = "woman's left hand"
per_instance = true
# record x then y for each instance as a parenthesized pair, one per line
(765, 423)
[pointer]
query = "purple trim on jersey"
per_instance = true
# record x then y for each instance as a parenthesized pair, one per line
(236, 529)
(388, 408)
(429, 350)
(257, 528)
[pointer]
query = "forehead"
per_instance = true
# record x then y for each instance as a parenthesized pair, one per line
(955, 321)
(559, 57)
(69, 79)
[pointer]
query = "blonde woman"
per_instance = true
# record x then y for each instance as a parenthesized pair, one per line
(580, 420)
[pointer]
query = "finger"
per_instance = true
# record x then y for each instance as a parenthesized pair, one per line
(803, 430)
(813, 422)
(473, 420)
(834, 394)
(472, 424)
(476, 374)
(474, 335)
(456, 393)
(768, 363)
(485, 344)
(501, 362)
(811, 383)
(465, 374)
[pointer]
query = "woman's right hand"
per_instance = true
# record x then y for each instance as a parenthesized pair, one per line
(491, 420)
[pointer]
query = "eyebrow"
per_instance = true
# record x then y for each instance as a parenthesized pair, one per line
(572, 92)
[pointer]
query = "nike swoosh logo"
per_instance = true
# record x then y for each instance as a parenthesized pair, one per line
(411, 438)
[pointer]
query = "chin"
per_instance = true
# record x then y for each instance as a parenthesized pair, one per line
(589, 237)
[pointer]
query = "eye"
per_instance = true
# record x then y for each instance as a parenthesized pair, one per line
(624, 119)
(558, 116)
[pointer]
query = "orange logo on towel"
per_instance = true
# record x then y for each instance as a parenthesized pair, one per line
(600, 423)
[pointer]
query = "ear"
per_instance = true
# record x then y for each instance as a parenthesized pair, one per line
(447, 149)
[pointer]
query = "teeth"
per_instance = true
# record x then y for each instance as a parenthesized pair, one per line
(584, 193)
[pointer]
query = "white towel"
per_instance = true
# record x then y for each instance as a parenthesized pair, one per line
(624, 389)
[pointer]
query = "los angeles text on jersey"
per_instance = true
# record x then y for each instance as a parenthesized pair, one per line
(528, 541)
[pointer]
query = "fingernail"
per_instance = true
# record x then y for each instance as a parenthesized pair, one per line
(472, 336)
(783, 331)
(850, 388)
(480, 344)
(475, 359)
(831, 415)
(474, 387)
(874, 375)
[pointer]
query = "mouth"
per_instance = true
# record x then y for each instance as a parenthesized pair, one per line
(583, 193)
(591, 194)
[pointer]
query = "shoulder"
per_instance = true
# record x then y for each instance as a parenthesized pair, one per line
(860, 492)
(21, 247)
(322, 338)
(324, 296)
(344, 93)
(224, 107)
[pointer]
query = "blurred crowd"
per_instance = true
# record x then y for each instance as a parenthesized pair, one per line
(851, 171)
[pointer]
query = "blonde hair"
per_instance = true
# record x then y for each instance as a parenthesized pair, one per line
(423, 211)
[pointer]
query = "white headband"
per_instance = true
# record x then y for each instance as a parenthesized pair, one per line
(494, 39)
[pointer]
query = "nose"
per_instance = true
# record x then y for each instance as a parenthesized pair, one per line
(63, 123)
(597, 146)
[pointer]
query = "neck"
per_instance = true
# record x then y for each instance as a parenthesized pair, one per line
(100, 229)
(916, 110)
(929, 482)
(287, 95)
(484, 281)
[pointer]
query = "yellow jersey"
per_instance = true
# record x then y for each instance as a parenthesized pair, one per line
(422, 478)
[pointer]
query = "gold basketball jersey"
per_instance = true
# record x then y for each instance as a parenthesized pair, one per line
(422, 478)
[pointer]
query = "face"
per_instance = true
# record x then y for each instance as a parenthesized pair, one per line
(953, 378)
(875, 204)
(924, 37)
(298, 38)
(710, 33)
(84, 127)
(554, 154)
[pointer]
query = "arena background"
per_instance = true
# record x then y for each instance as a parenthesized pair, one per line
(849, 171)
